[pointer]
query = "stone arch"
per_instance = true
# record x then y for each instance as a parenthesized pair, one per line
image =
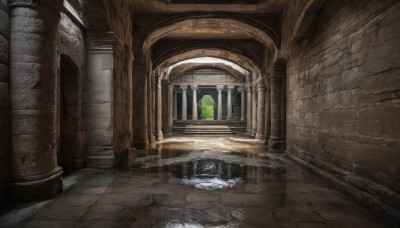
(70, 152)
(190, 66)
(215, 25)
(96, 16)
(228, 55)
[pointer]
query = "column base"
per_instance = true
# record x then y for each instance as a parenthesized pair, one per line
(41, 188)
(100, 157)
(260, 136)
(72, 164)
(276, 144)
(158, 135)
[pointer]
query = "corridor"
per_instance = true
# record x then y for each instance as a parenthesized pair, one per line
(203, 182)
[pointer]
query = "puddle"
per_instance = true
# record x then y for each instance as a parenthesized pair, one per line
(210, 174)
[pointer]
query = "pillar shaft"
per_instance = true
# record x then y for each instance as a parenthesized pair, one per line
(140, 100)
(184, 103)
(33, 73)
(249, 111)
(229, 104)
(170, 109)
(242, 105)
(219, 89)
(254, 112)
(166, 109)
(175, 105)
(260, 112)
(279, 72)
(194, 103)
(158, 109)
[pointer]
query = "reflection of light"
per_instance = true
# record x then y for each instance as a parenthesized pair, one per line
(211, 183)
(209, 60)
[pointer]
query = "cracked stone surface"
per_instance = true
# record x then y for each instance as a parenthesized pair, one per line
(274, 192)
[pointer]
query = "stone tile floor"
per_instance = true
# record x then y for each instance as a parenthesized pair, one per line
(203, 182)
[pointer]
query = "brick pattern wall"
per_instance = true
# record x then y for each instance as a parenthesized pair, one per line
(344, 90)
(5, 150)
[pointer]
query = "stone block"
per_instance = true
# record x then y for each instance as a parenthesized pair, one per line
(377, 158)
(336, 149)
(337, 121)
(96, 123)
(99, 138)
(98, 110)
(379, 121)
(99, 95)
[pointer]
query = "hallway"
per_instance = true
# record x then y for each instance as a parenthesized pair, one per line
(235, 183)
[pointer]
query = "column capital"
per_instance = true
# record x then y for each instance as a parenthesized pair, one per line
(220, 87)
(103, 41)
(183, 87)
(260, 87)
(241, 89)
(230, 87)
(193, 87)
(55, 5)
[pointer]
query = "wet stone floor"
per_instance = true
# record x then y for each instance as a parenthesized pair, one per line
(203, 182)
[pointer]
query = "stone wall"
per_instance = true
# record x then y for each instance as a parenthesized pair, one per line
(72, 47)
(121, 25)
(5, 150)
(344, 98)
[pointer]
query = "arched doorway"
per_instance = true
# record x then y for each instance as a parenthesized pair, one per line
(70, 152)
(207, 105)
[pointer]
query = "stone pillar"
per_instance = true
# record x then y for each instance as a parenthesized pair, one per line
(267, 111)
(254, 112)
(166, 108)
(100, 99)
(219, 89)
(194, 103)
(158, 108)
(176, 105)
(139, 108)
(249, 111)
(150, 108)
(171, 112)
(229, 103)
(278, 72)
(184, 102)
(260, 112)
(242, 103)
(33, 73)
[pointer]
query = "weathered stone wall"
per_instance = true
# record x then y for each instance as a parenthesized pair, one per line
(5, 138)
(73, 46)
(121, 25)
(344, 94)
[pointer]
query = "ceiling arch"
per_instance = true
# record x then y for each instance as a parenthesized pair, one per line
(179, 70)
(228, 55)
(210, 27)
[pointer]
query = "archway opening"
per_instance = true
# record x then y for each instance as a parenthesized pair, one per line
(207, 104)
(69, 116)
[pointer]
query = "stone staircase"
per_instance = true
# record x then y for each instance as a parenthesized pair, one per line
(207, 130)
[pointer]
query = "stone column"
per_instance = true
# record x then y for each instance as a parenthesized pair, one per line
(139, 98)
(267, 111)
(150, 108)
(219, 89)
(166, 108)
(194, 103)
(170, 108)
(260, 112)
(242, 102)
(249, 111)
(100, 99)
(254, 112)
(158, 108)
(229, 103)
(278, 72)
(176, 105)
(184, 102)
(33, 73)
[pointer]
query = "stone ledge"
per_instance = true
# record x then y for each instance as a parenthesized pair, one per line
(371, 196)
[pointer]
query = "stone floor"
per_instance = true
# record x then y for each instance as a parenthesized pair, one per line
(203, 182)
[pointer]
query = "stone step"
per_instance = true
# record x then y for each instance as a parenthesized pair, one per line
(211, 130)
